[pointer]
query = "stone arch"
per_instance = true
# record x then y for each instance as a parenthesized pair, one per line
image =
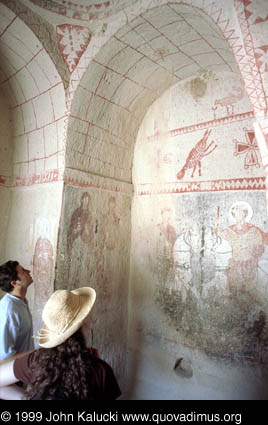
(234, 23)
(156, 269)
(104, 87)
(33, 98)
(123, 77)
(34, 94)
(45, 32)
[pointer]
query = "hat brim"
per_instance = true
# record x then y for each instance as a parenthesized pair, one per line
(50, 339)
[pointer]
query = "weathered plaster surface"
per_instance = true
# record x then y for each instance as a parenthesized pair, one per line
(199, 240)
(78, 84)
(94, 248)
(32, 239)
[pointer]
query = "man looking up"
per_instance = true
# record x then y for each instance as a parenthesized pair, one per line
(16, 328)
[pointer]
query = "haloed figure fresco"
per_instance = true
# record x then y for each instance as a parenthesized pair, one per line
(247, 242)
(219, 274)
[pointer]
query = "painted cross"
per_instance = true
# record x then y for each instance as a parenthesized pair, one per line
(250, 148)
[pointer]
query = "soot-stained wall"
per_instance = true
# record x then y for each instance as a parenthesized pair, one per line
(199, 237)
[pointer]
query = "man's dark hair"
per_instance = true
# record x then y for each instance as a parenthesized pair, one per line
(8, 273)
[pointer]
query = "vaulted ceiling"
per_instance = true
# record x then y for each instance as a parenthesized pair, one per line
(160, 47)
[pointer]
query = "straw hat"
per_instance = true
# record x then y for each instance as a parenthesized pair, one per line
(64, 314)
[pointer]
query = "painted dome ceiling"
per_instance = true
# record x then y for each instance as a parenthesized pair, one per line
(84, 10)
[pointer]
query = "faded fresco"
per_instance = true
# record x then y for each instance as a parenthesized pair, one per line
(94, 251)
(80, 244)
(43, 262)
(93, 239)
(210, 148)
(196, 155)
(214, 291)
(200, 234)
(215, 294)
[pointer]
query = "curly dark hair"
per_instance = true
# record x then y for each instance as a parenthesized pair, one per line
(8, 273)
(63, 372)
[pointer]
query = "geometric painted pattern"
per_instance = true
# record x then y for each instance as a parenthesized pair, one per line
(253, 11)
(249, 149)
(249, 69)
(262, 58)
(85, 180)
(251, 183)
(71, 177)
(83, 10)
(200, 126)
(50, 176)
(72, 41)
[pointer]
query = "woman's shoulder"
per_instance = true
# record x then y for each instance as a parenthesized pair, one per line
(102, 374)
(97, 362)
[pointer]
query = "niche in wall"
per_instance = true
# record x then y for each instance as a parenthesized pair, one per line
(199, 272)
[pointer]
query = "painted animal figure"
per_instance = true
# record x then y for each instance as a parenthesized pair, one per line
(196, 154)
(228, 101)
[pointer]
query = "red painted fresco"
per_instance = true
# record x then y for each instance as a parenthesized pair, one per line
(107, 237)
(262, 58)
(78, 179)
(80, 227)
(46, 177)
(199, 151)
(75, 11)
(260, 20)
(249, 149)
(248, 11)
(248, 66)
(42, 270)
(73, 41)
(229, 101)
(252, 183)
(108, 231)
(247, 242)
(202, 125)
(169, 233)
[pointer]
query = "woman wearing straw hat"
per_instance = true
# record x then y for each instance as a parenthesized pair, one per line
(63, 367)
